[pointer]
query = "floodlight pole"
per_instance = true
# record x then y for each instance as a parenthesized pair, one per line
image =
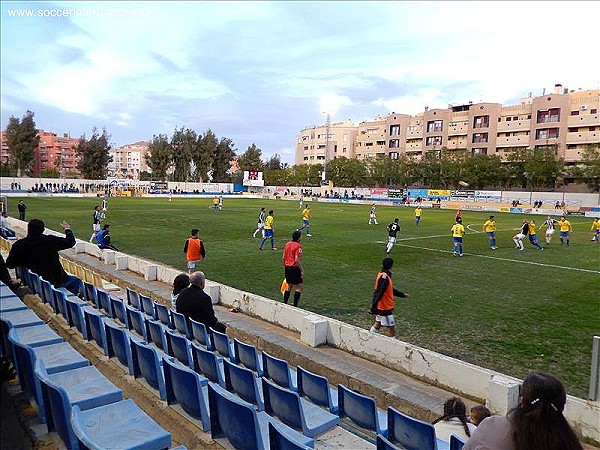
(327, 128)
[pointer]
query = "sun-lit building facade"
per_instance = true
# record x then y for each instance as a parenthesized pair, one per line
(567, 121)
(129, 160)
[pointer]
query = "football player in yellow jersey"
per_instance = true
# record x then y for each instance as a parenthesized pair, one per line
(269, 232)
(595, 230)
(565, 229)
(458, 230)
(418, 213)
(306, 215)
(489, 227)
(532, 236)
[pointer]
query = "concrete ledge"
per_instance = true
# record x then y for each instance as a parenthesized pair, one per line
(150, 272)
(79, 247)
(503, 393)
(94, 250)
(214, 291)
(109, 256)
(314, 330)
(167, 274)
(121, 261)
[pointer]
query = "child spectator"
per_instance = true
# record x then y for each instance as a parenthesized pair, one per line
(454, 421)
(180, 282)
(478, 413)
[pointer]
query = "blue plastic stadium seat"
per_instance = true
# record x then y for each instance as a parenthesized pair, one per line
(90, 293)
(133, 298)
(456, 443)
(104, 302)
(244, 384)
(188, 389)
(223, 345)
(12, 303)
(121, 425)
(279, 371)
(179, 347)
(33, 336)
(385, 444)
(60, 297)
(156, 334)
(118, 343)
(180, 324)
(241, 424)
(147, 363)
(208, 364)
(201, 334)
(412, 434)
(120, 311)
(94, 324)
(45, 290)
(316, 389)
(85, 387)
(56, 358)
(20, 318)
(163, 314)
(362, 412)
(137, 322)
(36, 283)
(282, 440)
(75, 313)
(147, 306)
(296, 412)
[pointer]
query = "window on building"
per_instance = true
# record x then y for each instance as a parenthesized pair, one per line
(547, 133)
(574, 113)
(593, 111)
(393, 155)
(481, 138)
(482, 151)
(380, 142)
(433, 140)
(548, 115)
(368, 144)
(394, 143)
(434, 126)
(508, 119)
(394, 130)
(481, 121)
(515, 117)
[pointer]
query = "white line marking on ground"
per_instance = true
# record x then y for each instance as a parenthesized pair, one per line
(471, 229)
(504, 259)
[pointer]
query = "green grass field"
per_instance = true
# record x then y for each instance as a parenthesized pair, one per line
(508, 310)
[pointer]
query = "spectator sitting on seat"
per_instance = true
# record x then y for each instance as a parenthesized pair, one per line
(196, 304)
(180, 282)
(453, 421)
(103, 238)
(5, 231)
(478, 413)
(39, 253)
(536, 423)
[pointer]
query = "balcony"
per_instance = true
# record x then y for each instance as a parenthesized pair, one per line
(583, 137)
(480, 140)
(481, 125)
(548, 119)
(512, 141)
(584, 120)
(434, 129)
(517, 125)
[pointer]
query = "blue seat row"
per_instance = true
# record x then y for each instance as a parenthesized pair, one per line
(73, 398)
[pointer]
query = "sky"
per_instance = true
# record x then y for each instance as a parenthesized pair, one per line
(256, 72)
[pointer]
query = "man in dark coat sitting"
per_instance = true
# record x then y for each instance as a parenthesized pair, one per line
(196, 304)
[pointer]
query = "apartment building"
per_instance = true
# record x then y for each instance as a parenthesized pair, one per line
(129, 160)
(53, 152)
(567, 121)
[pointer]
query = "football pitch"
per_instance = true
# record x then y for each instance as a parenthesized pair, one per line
(508, 310)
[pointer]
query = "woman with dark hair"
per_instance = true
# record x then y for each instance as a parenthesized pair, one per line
(537, 423)
(454, 421)
(180, 282)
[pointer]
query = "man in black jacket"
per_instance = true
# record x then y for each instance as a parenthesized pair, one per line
(39, 253)
(196, 304)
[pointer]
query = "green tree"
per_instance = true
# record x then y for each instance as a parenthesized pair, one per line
(347, 172)
(94, 155)
(22, 139)
(274, 163)
(225, 153)
(543, 168)
(159, 156)
(251, 159)
(7, 170)
(204, 154)
(589, 169)
(51, 172)
(184, 143)
(278, 177)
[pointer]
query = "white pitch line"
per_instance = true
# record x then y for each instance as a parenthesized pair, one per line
(505, 259)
